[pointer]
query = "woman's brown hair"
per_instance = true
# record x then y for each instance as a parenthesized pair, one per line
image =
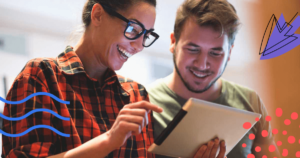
(115, 4)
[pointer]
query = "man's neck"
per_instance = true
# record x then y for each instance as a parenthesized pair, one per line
(174, 82)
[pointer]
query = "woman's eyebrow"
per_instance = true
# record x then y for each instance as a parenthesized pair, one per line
(136, 20)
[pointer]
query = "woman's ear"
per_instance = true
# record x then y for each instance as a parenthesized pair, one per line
(96, 14)
(173, 42)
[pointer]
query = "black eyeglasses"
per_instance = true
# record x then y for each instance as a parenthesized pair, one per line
(134, 29)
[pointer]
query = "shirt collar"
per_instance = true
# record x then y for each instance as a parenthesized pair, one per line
(70, 64)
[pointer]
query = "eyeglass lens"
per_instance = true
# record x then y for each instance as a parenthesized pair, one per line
(134, 30)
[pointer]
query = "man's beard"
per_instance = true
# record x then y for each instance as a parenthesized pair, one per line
(187, 85)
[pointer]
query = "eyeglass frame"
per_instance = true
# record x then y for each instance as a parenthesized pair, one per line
(144, 31)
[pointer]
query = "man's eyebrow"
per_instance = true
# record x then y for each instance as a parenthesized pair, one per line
(192, 44)
(218, 49)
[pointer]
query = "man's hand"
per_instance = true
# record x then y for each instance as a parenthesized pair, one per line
(130, 121)
(210, 150)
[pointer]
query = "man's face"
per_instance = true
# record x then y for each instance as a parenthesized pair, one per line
(200, 56)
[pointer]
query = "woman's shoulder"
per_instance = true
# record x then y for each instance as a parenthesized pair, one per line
(124, 81)
(39, 65)
(132, 86)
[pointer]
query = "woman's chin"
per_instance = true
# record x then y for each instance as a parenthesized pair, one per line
(116, 67)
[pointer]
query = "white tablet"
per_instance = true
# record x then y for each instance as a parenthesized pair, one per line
(197, 123)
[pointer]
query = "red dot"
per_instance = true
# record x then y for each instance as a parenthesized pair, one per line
(299, 141)
(285, 152)
(251, 136)
(298, 154)
(247, 125)
(264, 133)
(275, 131)
(268, 118)
(284, 132)
(287, 122)
(279, 143)
(256, 119)
(272, 148)
(291, 139)
(250, 156)
(244, 145)
(294, 116)
(278, 112)
(257, 149)
(264, 156)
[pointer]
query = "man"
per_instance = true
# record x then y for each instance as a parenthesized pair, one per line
(201, 44)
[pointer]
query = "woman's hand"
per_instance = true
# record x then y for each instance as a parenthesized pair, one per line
(130, 121)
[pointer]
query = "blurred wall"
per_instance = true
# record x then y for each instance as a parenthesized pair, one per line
(284, 77)
(276, 80)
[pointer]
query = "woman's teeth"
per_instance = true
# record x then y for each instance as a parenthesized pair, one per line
(124, 53)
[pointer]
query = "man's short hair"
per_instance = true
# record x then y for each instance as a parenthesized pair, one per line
(218, 14)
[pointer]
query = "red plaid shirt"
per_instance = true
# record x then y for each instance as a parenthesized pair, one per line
(92, 110)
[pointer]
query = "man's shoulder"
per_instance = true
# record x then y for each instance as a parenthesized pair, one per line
(158, 91)
(242, 96)
(236, 88)
(157, 85)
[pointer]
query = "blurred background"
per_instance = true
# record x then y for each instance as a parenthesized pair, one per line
(43, 28)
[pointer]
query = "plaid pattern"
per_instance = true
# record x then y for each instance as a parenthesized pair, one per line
(93, 108)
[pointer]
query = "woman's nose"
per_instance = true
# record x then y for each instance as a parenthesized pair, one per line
(137, 44)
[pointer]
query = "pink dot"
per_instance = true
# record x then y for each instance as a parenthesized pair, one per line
(287, 122)
(264, 133)
(250, 156)
(279, 143)
(291, 139)
(244, 145)
(278, 112)
(264, 156)
(247, 125)
(272, 148)
(268, 118)
(257, 149)
(284, 132)
(256, 119)
(294, 116)
(251, 136)
(275, 131)
(298, 154)
(285, 152)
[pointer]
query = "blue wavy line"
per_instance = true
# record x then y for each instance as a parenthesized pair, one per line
(34, 111)
(32, 128)
(32, 95)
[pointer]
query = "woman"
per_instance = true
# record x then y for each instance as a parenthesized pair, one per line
(107, 112)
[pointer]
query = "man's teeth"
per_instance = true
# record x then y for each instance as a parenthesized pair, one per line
(128, 55)
(200, 75)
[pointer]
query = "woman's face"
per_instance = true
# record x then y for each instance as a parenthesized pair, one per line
(110, 47)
